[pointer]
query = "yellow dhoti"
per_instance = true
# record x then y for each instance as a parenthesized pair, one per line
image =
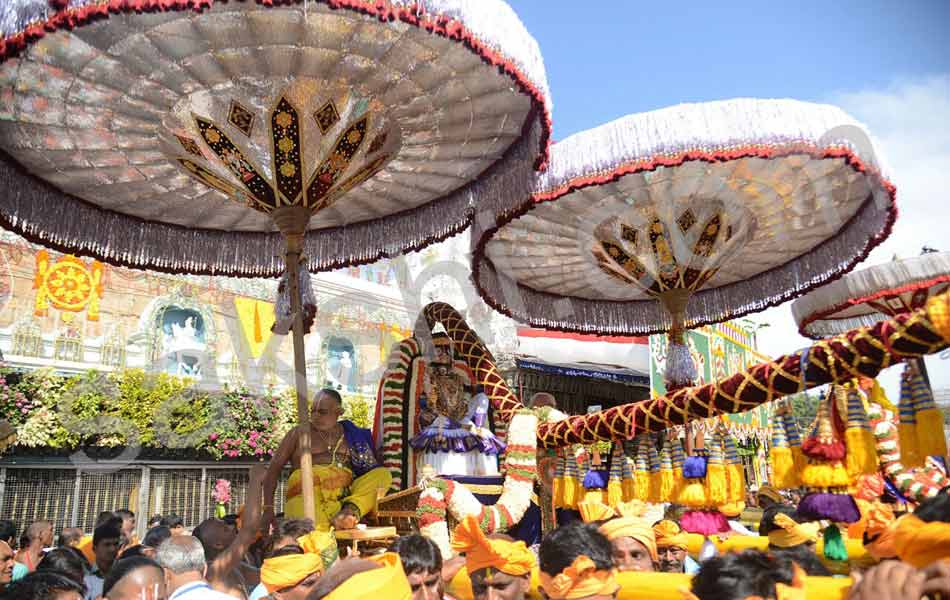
(333, 487)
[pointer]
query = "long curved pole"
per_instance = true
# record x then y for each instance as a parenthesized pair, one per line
(865, 351)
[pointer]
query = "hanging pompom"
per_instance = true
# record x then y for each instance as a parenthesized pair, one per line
(823, 444)
(839, 508)
(930, 437)
(704, 522)
(835, 548)
(629, 479)
(859, 439)
(907, 425)
(284, 318)
(678, 457)
(680, 369)
(794, 435)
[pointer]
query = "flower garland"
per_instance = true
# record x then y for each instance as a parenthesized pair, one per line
(440, 497)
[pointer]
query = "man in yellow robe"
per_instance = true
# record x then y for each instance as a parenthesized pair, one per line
(346, 470)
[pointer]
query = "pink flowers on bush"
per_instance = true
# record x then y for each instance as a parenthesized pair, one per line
(222, 491)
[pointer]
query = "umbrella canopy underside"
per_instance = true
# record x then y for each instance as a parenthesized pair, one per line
(747, 203)
(862, 298)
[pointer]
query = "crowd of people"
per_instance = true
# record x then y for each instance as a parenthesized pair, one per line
(253, 557)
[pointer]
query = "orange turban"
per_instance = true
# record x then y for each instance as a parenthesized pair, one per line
(668, 534)
(512, 558)
(921, 543)
(792, 533)
(389, 581)
(287, 571)
(580, 580)
(880, 531)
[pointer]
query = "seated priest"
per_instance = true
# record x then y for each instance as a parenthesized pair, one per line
(346, 470)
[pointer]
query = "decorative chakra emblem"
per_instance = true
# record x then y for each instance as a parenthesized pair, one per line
(686, 220)
(190, 145)
(241, 118)
(327, 116)
(290, 181)
(680, 256)
(68, 284)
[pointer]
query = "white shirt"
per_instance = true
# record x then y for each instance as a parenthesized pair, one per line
(198, 590)
(93, 586)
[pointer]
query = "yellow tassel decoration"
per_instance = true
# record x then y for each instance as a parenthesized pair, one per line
(666, 483)
(717, 486)
(877, 396)
(858, 438)
(784, 473)
(615, 479)
(825, 475)
(629, 480)
(641, 473)
(693, 494)
(735, 474)
(930, 437)
(907, 424)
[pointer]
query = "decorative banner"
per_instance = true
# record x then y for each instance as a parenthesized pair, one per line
(67, 284)
(256, 318)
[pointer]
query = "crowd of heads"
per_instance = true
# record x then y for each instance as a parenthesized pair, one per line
(590, 557)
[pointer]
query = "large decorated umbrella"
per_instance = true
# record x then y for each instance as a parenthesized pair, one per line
(201, 136)
(685, 216)
(870, 295)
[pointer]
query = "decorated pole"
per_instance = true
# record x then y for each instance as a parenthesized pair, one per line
(292, 222)
(862, 352)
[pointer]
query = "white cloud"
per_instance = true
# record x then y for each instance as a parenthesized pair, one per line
(910, 120)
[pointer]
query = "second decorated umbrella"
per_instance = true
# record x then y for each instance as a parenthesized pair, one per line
(685, 216)
(202, 136)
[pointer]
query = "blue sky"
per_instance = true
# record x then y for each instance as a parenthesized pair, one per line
(885, 63)
(608, 59)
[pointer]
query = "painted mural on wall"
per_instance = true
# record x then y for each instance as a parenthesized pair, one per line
(74, 314)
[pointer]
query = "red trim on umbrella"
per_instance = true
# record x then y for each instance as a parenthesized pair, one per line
(896, 291)
(70, 18)
(675, 160)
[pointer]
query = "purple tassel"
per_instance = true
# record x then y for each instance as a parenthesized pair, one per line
(704, 522)
(694, 467)
(838, 508)
(595, 480)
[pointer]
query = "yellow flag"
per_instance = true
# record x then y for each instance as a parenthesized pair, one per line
(256, 318)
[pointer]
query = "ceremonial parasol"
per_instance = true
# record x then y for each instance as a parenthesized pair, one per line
(200, 136)
(870, 295)
(686, 216)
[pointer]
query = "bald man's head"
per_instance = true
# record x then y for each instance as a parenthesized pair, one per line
(215, 535)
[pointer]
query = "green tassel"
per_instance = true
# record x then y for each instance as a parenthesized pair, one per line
(834, 544)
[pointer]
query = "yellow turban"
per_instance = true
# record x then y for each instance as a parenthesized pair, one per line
(732, 509)
(512, 558)
(792, 533)
(592, 510)
(668, 534)
(767, 491)
(580, 580)
(287, 571)
(389, 581)
(631, 527)
(921, 543)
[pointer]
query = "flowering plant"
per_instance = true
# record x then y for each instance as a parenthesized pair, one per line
(221, 494)
(222, 491)
(254, 425)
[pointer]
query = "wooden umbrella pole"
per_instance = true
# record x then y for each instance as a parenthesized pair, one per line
(292, 222)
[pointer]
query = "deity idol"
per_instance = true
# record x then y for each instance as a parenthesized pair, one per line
(458, 441)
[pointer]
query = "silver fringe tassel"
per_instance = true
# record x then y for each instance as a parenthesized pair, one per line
(680, 369)
(284, 316)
